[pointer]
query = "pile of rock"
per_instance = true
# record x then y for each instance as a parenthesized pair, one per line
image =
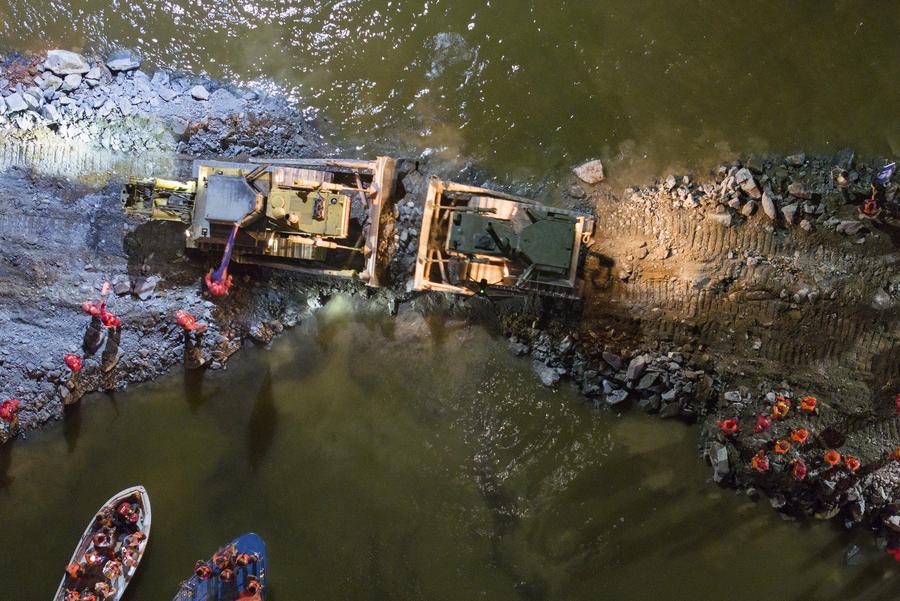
(792, 192)
(404, 239)
(658, 382)
(116, 106)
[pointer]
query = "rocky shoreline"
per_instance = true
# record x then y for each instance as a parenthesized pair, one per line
(112, 104)
(709, 298)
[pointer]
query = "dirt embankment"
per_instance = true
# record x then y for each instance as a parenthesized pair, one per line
(704, 304)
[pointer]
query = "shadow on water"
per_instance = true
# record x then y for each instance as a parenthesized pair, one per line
(5, 462)
(261, 428)
(72, 425)
(193, 389)
(504, 518)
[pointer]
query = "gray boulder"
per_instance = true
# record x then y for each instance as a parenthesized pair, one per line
(199, 93)
(749, 208)
(167, 94)
(144, 287)
(718, 457)
(745, 180)
(51, 113)
(64, 62)
(614, 360)
(723, 218)
(799, 190)
(768, 204)
(34, 97)
(549, 376)
(94, 74)
(636, 368)
(789, 212)
(590, 172)
(123, 60)
(49, 82)
(160, 78)
(71, 82)
(795, 160)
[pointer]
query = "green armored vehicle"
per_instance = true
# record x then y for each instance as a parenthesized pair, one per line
(321, 216)
(476, 240)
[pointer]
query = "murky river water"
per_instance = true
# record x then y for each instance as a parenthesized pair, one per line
(393, 460)
(526, 88)
(382, 461)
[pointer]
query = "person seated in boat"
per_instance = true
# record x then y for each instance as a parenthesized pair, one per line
(104, 542)
(225, 557)
(226, 575)
(73, 595)
(105, 517)
(252, 590)
(88, 596)
(75, 571)
(104, 591)
(127, 513)
(203, 570)
(112, 569)
(131, 556)
(93, 563)
(134, 540)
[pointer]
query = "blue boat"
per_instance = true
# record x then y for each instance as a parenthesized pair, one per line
(236, 571)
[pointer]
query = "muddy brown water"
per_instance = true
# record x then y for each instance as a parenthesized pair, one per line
(525, 89)
(410, 460)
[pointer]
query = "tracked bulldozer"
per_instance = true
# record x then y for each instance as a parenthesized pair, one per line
(319, 216)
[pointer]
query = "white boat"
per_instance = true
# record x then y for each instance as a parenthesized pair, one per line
(110, 550)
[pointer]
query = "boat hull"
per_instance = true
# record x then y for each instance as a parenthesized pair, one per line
(135, 494)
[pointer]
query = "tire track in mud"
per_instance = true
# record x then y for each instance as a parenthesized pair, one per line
(708, 291)
(80, 162)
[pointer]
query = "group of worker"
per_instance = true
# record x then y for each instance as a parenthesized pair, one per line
(115, 547)
(105, 326)
(224, 568)
(872, 205)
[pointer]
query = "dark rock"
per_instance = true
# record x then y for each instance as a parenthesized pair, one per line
(636, 368)
(614, 360)
(648, 380)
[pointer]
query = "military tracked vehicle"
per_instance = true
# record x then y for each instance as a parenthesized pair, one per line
(321, 216)
(476, 240)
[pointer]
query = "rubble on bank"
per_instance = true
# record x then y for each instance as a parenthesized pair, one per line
(114, 105)
(789, 192)
(713, 299)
